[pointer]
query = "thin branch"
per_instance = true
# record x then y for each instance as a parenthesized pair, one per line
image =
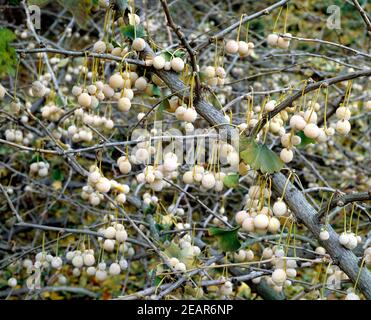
(73, 53)
(343, 200)
(328, 43)
(289, 100)
(199, 202)
(74, 231)
(15, 212)
(25, 148)
(228, 30)
(363, 15)
(183, 40)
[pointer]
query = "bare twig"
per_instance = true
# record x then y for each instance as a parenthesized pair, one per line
(343, 200)
(76, 231)
(73, 53)
(363, 15)
(14, 210)
(224, 32)
(185, 43)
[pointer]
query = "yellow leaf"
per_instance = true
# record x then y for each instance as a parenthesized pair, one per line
(57, 185)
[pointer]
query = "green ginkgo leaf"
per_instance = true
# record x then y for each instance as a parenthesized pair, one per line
(227, 238)
(168, 55)
(231, 180)
(304, 140)
(156, 91)
(57, 175)
(259, 156)
(8, 57)
(159, 115)
(132, 32)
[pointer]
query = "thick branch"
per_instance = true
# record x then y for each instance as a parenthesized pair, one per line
(341, 256)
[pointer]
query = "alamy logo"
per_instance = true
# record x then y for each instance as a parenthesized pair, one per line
(334, 20)
(35, 16)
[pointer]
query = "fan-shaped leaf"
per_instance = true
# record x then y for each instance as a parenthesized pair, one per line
(130, 32)
(259, 156)
(304, 139)
(231, 180)
(227, 238)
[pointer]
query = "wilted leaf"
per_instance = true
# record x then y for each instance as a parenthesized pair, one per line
(184, 255)
(244, 291)
(227, 238)
(80, 9)
(231, 180)
(260, 157)
(57, 185)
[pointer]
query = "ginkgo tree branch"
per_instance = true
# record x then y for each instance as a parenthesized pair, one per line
(296, 201)
(185, 43)
(341, 256)
(346, 260)
(343, 200)
(311, 87)
(86, 53)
